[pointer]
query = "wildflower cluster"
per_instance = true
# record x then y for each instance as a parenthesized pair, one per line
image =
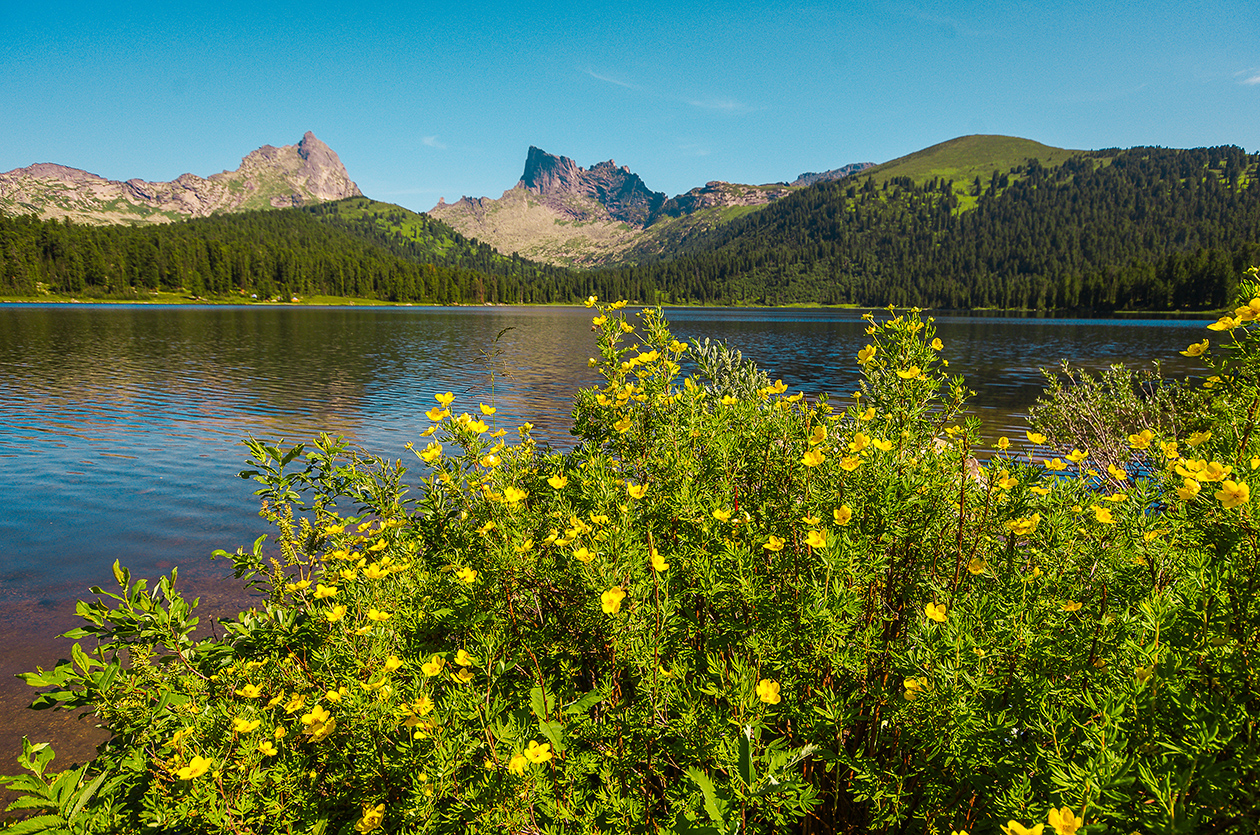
(732, 606)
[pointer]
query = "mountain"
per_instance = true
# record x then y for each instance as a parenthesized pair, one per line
(292, 175)
(560, 213)
(809, 177)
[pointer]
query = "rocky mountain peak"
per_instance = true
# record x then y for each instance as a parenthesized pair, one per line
(621, 193)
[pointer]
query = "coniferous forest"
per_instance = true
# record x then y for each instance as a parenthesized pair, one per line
(1145, 228)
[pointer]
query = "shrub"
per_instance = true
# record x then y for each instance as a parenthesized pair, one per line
(718, 613)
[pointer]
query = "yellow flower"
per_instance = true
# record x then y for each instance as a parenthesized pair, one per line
(300, 585)
(1195, 349)
(375, 572)
(1004, 443)
(610, 601)
(812, 458)
(518, 764)
(444, 399)
(937, 344)
(1143, 673)
(242, 725)
(816, 539)
(1225, 323)
(336, 613)
(1040, 491)
(768, 691)
(1189, 489)
(524, 546)
(295, 703)
(433, 666)
(722, 515)
(657, 561)
(372, 820)
(377, 616)
(489, 461)
(869, 414)
(636, 491)
(196, 767)
(842, 514)
(1169, 448)
(773, 544)
(1233, 493)
(911, 373)
(392, 663)
(1064, 821)
(467, 575)
(487, 410)
(559, 482)
(977, 566)
(1035, 438)
(249, 691)
(431, 453)
(436, 414)
(936, 612)
(810, 519)
(536, 753)
(1117, 473)
(1056, 464)
(866, 354)
(267, 748)
(882, 446)
(1197, 438)
(322, 591)
(1103, 515)
(512, 495)
(464, 676)
(583, 555)
(1024, 526)
(729, 400)
(1070, 606)
(817, 435)
(915, 688)
(849, 463)
(486, 528)
(1017, 828)
(623, 424)
(1076, 456)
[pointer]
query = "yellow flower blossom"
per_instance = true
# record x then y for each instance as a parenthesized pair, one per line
(937, 344)
(583, 555)
(817, 435)
(1233, 493)
(636, 491)
(322, 591)
(1063, 821)
(377, 616)
(729, 400)
(436, 414)
(241, 725)
(433, 666)
(372, 820)
(768, 691)
(518, 764)
(1103, 515)
(1195, 349)
(487, 410)
(1143, 673)
(622, 425)
(466, 575)
(610, 601)
(915, 687)
(849, 463)
(1040, 491)
(1142, 440)
(1197, 438)
(432, 452)
(773, 544)
(722, 515)
(336, 613)
(489, 461)
(1169, 448)
(936, 612)
(812, 458)
(1017, 828)
(249, 691)
(513, 495)
(1024, 526)
(842, 514)
(1035, 438)
(1056, 464)
(881, 445)
(1076, 456)
(267, 748)
(196, 767)
(300, 585)
(869, 414)
(444, 399)
(1070, 606)
(977, 566)
(816, 539)
(1225, 323)
(464, 675)
(911, 373)
(486, 528)
(866, 354)
(559, 482)
(657, 561)
(1003, 443)
(538, 753)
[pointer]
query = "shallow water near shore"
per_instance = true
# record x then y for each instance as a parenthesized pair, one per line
(120, 426)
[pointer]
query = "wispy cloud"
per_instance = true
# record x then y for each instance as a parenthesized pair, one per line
(611, 80)
(1255, 79)
(432, 142)
(956, 28)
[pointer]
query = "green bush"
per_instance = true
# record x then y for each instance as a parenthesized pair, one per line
(719, 613)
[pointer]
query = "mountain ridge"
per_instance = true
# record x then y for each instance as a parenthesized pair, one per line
(268, 177)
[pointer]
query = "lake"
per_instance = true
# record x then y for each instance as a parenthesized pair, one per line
(120, 425)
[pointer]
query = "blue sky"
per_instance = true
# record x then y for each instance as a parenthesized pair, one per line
(427, 100)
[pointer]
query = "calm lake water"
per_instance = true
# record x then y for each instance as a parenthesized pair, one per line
(120, 426)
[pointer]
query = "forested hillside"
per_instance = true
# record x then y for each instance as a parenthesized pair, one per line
(1146, 228)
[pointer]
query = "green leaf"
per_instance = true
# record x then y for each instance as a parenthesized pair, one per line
(47, 824)
(583, 704)
(712, 806)
(745, 757)
(85, 795)
(554, 731)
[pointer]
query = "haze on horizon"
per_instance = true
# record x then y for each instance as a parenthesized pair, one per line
(432, 101)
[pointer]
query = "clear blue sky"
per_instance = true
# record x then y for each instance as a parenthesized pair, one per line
(423, 100)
